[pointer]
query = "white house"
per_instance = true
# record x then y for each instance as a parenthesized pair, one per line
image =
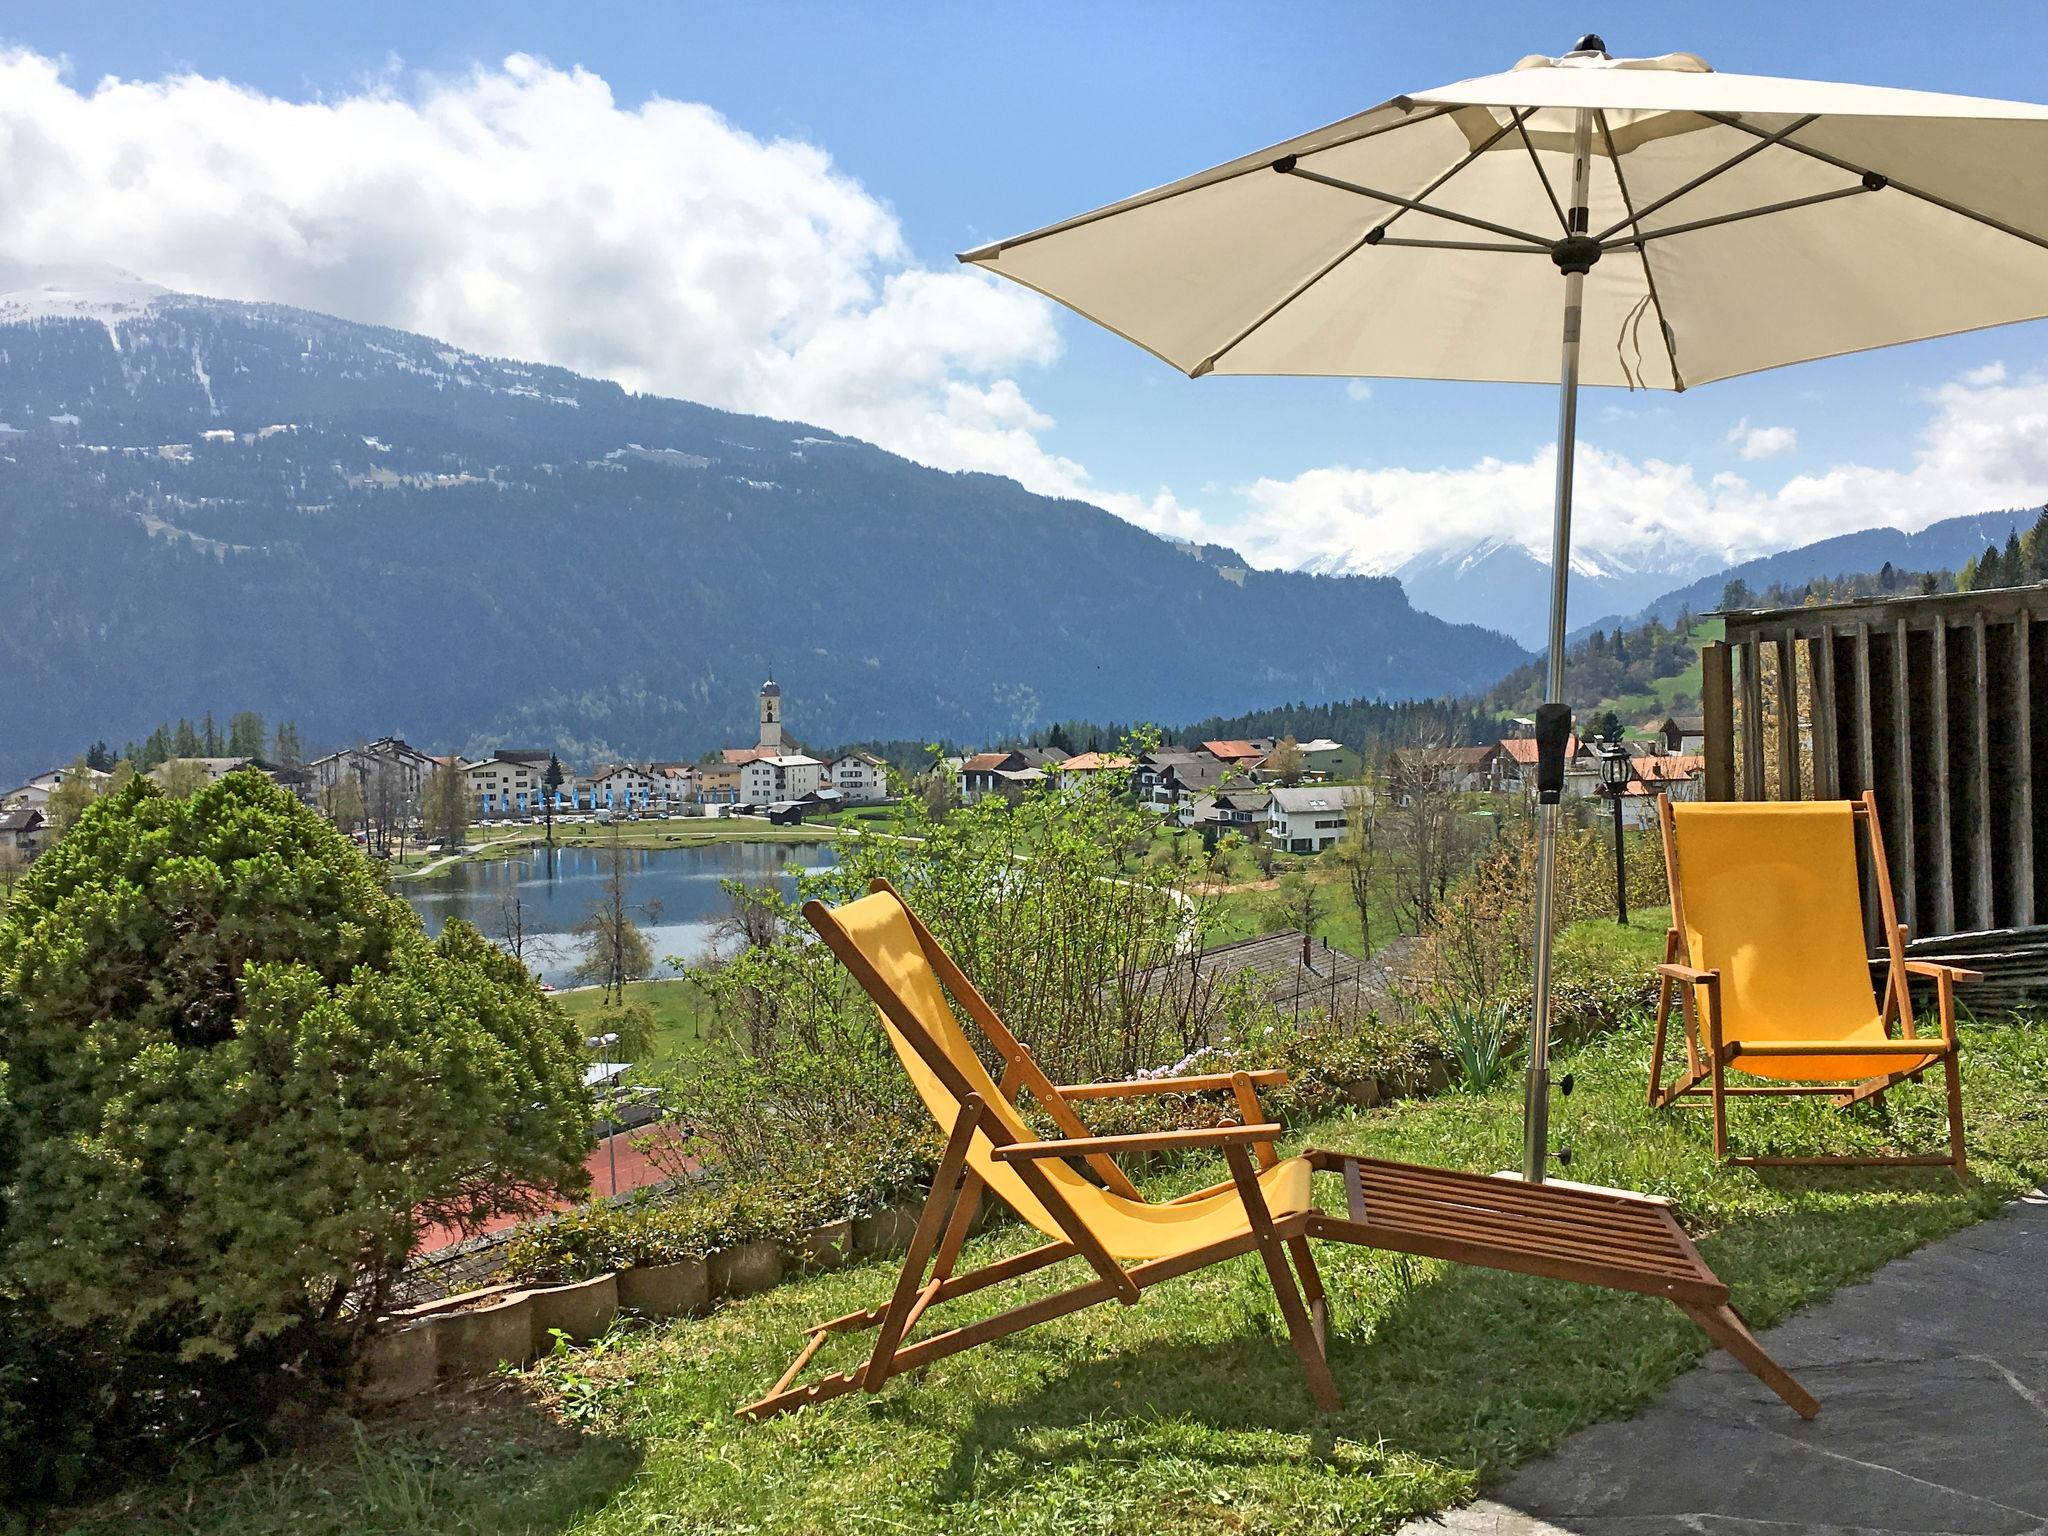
(788, 777)
(508, 783)
(35, 794)
(676, 783)
(1309, 817)
(860, 776)
(624, 787)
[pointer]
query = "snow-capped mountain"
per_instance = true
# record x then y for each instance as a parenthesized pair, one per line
(1500, 583)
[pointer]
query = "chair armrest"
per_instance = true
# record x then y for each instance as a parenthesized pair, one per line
(1206, 1082)
(1145, 1141)
(1934, 970)
(1686, 973)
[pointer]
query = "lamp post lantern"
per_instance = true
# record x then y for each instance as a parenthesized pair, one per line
(1616, 769)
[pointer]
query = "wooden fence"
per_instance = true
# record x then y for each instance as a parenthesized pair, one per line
(1939, 705)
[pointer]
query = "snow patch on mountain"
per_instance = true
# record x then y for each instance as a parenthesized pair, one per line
(106, 294)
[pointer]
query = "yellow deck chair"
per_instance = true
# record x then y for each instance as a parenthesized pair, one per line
(991, 1150)
(1560, 1231)
(1766, 956)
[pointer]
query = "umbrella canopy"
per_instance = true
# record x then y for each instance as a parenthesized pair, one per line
(1743, 222)
(1705, 225)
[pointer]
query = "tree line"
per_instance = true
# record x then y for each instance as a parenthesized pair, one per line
(247, 735)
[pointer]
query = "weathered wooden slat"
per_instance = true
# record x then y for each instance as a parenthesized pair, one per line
(1717, 708)
(1752, 721)
(1898, 818)
(1866, 766)
(1937, 738)
(1788, 718)
(2023, 769)
(1982, 904)
(1827, 771)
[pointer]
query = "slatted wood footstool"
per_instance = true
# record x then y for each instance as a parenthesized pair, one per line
(1560, 1231)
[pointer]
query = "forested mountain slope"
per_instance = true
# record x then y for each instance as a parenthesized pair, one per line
(218, 505)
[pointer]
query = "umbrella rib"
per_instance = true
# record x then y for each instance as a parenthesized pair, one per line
(1649, 277)
(1521, 127)
(1637, 216)
(1514, 121)
(1643, 236)
(1465, 245)
(1287, 166)
(1897, 186)
(995, 250)
(1376, 235)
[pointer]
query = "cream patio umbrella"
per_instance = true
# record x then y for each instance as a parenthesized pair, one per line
(1703, 225)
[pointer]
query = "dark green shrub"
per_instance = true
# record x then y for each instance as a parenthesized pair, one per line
(239, 1074)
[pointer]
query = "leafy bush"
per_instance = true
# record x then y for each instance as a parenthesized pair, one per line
(239, 1075)
(661, 1229)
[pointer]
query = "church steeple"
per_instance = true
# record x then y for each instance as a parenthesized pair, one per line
(771, 715)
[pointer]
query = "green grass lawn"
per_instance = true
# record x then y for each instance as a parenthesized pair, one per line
(1186, 1413)
(682, 1013)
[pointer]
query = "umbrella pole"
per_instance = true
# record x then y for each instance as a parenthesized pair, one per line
(1553, 720)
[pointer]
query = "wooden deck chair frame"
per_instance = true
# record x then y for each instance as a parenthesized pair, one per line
(1566, 1232)
(1708, 1056)
(927, 1278)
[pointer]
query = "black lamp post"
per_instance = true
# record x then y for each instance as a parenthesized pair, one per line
(1616, 769)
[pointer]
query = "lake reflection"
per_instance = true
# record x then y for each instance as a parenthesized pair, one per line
(685, 881)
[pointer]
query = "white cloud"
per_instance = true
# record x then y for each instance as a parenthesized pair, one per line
(1985, 447)
(521, 210)
(1762, 442)
(1358, 389)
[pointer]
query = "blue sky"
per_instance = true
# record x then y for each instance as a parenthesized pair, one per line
(975, 122)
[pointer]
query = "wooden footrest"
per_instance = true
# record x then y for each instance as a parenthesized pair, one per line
(1560, 1231)
(1623, 1241)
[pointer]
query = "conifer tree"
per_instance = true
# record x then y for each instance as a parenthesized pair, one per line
(157, 749)
(245, 734)
(184, 741)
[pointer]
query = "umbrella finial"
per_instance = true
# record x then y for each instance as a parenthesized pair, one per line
(1592, 42)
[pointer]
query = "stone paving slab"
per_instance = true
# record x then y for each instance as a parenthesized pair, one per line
(1933, 1382)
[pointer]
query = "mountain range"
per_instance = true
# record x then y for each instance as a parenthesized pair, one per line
(1941, 546)
(210, 505)
(1499, 583)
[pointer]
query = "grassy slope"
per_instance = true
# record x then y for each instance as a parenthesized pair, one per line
(1186, 1413)
(682, 1014)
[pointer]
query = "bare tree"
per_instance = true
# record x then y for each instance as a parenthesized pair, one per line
(1427, 836)
(1299, 902)
(342, 801)
(1358, 856)
(1286, 762)
(388, 807)
(615, 951)
(446, 811)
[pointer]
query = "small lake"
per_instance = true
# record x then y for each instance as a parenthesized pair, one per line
(685, 881)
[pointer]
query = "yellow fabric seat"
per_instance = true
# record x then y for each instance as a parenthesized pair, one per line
(1130, 1229)
(1767, 952)
(1772, 901)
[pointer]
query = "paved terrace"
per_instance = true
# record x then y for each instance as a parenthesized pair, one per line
(1933, 1381)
